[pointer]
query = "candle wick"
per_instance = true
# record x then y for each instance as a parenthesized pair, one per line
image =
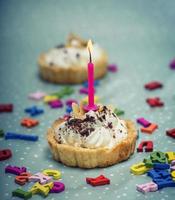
(90, 58)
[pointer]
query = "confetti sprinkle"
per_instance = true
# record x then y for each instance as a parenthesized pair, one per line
(12, 135)
(34, 111)
(29, 122)
(112, 68)
(83, 91)
(153, 85)
(100, 180)
(56, 104)
(6, 108)
(155, 102)
(172, 64)
(37, 95)
(5, 154)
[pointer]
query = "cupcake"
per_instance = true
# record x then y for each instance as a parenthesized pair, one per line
(92, 139)
(68, 63)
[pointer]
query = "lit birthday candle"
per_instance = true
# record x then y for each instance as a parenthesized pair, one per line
(91, 105)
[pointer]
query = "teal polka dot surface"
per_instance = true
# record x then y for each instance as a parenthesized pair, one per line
(138, 36)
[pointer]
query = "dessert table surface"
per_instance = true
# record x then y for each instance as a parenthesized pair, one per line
(139, 38)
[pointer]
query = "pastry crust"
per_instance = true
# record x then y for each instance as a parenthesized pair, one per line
(72, 74)
(91, 158)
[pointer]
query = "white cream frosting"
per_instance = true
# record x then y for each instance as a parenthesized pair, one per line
(67, 56)
(95, 130)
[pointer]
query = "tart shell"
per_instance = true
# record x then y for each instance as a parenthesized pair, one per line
(91, 158)
(72, 74)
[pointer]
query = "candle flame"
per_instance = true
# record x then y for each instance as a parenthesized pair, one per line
(90, 47)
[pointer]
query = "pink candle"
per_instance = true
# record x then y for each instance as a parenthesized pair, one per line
(91, 105)
(91, 84)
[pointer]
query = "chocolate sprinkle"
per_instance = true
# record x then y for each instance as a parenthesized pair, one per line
(121, 124)
(104, 117)
(113, 114)
(78, 55)
(65, 51)
(86, 132)
(60, 46)
(100, 119)
(74, 122)
(89, 119)
(110, 125)
(84, 127)
(105, 109)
